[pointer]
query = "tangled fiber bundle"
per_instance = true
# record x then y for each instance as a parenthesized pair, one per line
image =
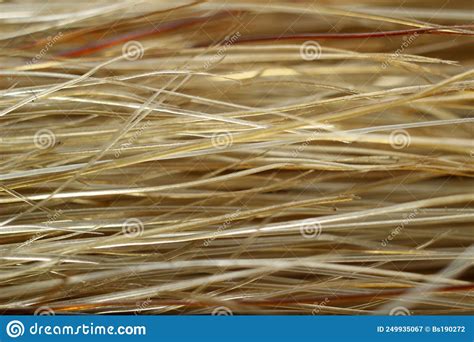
(236, 157)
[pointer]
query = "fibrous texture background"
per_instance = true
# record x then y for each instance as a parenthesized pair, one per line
(236, 157)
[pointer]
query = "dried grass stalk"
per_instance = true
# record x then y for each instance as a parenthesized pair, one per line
(236, 157)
